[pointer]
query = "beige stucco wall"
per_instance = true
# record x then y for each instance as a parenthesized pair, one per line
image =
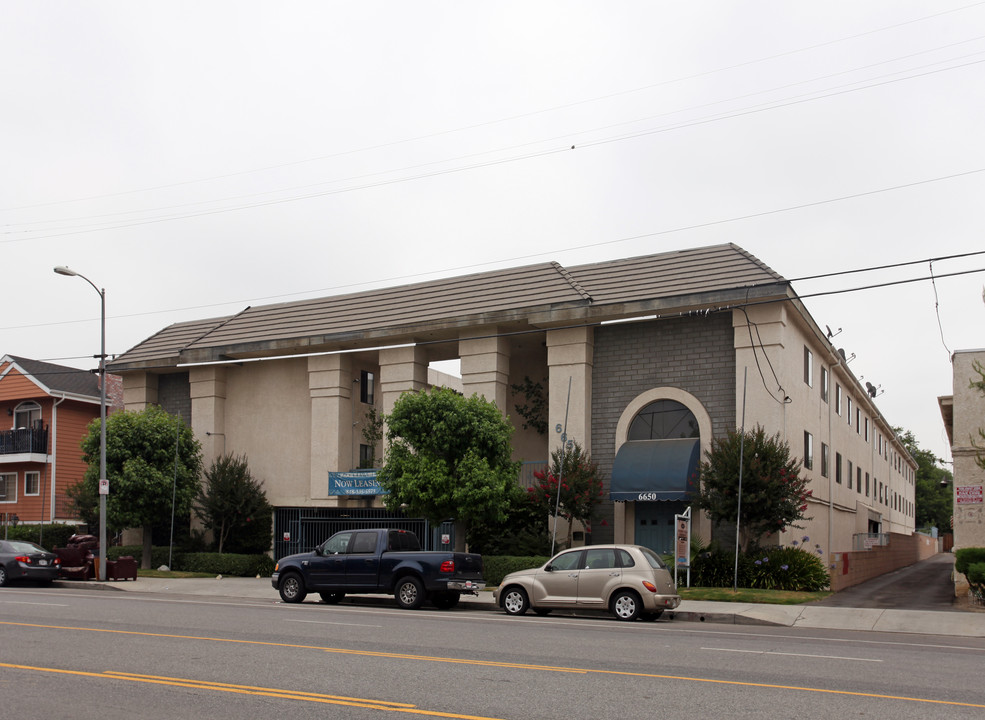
(969, 417)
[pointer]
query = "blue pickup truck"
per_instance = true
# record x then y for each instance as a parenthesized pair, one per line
(379, 561)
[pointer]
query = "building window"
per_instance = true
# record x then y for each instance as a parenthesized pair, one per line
(26, 415)
(874, 483)
(824, 384)
(32, 483)
(808, 367)
(838, 398)
(367, 387)
(850, 468)
(858, 479)
(838, 468)
(808, 450)
(366, 456)
(849, 413)
(824, 460)
(664, 420)
(858, 421)
(8, 487)
(866, 429)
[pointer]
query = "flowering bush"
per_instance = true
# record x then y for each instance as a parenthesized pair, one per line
(580, 489)
(790, 568)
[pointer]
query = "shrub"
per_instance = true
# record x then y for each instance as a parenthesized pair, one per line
(789, 568)
(55, 535)
(965, 557)
(716, 567)
(212, 563)
(496, 567)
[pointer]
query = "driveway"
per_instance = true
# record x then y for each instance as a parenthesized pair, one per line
(925, 585)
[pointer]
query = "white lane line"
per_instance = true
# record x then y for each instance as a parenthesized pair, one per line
(326, 622)
(770, 652)
(15, 602)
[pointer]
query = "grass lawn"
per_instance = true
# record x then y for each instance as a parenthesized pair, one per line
(750, 595)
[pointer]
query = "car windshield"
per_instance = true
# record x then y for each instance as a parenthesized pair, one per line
(19, 546)
(653, 558)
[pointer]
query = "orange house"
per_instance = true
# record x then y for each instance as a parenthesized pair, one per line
(44, 412)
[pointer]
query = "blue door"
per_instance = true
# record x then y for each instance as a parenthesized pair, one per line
(655, 525)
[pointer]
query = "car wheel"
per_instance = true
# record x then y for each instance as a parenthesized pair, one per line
(410, 593)
(3, 576)
(626, 605)
(332, 598)
(445, 600)
(542, 611)
(292, 588)
(515, 601)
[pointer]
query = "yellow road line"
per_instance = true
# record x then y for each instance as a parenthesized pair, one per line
(366, 703)
(514, 666)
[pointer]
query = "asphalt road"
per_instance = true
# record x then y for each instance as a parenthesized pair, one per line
(925, 585)
(82, 654)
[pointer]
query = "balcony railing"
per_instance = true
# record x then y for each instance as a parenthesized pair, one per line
(32, 440)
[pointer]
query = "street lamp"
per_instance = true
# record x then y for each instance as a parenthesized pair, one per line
(103, 482)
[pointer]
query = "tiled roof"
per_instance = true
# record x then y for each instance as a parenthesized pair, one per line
(59, 378)
(496, 297)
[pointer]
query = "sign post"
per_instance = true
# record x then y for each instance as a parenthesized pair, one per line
(682, 544)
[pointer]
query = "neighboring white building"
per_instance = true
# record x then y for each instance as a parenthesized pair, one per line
(645, 359)
(964, 416)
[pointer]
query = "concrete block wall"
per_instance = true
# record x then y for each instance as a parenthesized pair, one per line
(852, 568)
(691, 354)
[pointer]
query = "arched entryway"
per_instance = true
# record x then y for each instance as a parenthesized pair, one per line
(659, 446)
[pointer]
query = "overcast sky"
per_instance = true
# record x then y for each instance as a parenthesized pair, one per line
(194, 158)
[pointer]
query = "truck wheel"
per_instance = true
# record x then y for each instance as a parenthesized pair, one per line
(410, 593)
(515, 601)
(331, 598)
(445, 600)
(292, 588)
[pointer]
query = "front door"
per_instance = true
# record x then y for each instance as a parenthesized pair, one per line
(560, 585)
(655, 525)
(327, 568)
(362, 564)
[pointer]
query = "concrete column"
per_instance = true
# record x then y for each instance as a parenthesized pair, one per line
(570, 356)
(139, 390)
(207, 386)
(330, 386)
(486, 368)
(401, 369)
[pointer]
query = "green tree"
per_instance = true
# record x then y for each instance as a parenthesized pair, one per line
(933, 498)
(448, 457)
(372, 433)
(580, 490)
(233, 505)
(144, 471)
(774, 495)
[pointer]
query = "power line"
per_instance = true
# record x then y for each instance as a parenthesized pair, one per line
(380, 146)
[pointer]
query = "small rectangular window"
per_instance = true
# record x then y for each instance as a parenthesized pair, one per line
(32, 483)
(850, 476)
(838, 398)
(858, 485)
(808, 367)
(824, 460)
(367, 387)
(824, 384)
(808, 450)
(858, 421)
(849, 413)
(8, 487)
(866, 429)
(366, 456)
(838, 478)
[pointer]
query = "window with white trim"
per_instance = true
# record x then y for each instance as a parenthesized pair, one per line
(808, 450)
(8, 487)
(367, 387)
(838, 398)
(26, 415)
(808, 367)
(824, 384)
(32, 482)
(824, 460)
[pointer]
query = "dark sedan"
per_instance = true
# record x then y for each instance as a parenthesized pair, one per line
(21, 560)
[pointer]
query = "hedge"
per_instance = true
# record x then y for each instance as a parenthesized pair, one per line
(224, 564)
(55, 535)
(496, 567)
(965, 557)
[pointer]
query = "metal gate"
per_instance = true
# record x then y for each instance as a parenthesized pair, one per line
(303, 529)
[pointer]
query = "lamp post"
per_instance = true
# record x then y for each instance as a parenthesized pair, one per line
(103, 482)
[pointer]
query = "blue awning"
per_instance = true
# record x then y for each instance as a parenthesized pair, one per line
(647, 470)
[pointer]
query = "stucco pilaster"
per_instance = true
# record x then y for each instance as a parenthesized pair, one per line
(139, 390)
(401, 370)
(330, 384)
(485, 366)
(207, 388)
(570, 356)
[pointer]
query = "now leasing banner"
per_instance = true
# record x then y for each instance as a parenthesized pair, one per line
(354, 483)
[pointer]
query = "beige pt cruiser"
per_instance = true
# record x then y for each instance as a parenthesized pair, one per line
(630, 581)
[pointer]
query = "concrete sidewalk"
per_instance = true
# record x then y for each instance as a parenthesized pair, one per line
(926, 622)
